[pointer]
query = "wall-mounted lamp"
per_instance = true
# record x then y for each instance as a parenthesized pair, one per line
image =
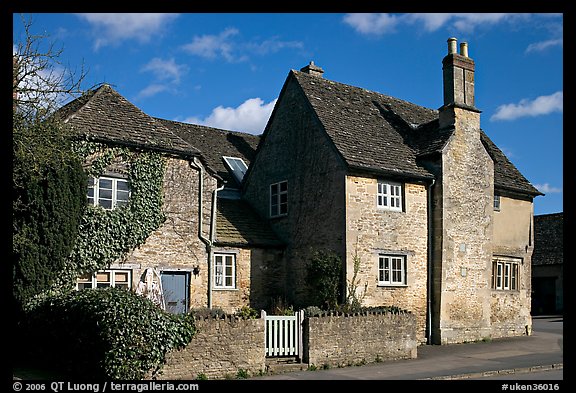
(196, 270)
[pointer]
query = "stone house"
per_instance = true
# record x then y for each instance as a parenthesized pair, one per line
(211, 246)
(439, 219)
(548, 264)
(423, 209)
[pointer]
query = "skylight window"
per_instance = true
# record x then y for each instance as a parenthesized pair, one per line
(237, 167)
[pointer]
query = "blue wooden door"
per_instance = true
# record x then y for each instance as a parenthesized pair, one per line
(175, 288)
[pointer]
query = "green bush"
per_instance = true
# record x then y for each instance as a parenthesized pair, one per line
(106, 333)
(324, 276)
(247, 312)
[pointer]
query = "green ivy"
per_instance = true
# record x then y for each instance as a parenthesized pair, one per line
(106, 236)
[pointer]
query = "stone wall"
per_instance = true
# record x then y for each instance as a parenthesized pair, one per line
(464, 234)
(347, 340)
(176, 244)
(371, 231)
(296, 149)
(222, 348)
(219, 350)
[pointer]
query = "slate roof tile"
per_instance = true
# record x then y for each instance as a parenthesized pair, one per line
(548, 239)
(104, 115)
(238, 225)
(376, 132)
(215, 143)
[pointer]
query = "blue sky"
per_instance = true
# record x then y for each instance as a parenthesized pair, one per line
(226, 70)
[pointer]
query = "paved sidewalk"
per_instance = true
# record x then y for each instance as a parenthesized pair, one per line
(541, 351)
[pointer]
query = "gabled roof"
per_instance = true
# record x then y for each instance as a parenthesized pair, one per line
(374, 132)
(104, 115)
(548, 239)
(237, 225)
(364, 125)
(215, 143)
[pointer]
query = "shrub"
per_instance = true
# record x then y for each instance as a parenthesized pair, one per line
(247, 312)
(324, 276)
(106, 333)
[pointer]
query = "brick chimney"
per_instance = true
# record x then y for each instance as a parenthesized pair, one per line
(313, 70)
(458, 74)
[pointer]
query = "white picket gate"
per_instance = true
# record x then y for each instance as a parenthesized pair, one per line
(283, 334)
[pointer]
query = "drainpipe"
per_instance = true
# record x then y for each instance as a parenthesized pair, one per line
(195, 164)
(430, 256)
(210, 240)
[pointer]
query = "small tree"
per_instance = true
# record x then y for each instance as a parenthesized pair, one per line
(48, 179)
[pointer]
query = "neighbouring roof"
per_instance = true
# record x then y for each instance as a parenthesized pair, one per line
(238, 225)
(104, 115)
(214, 143)
(376, 132)
(548, 239)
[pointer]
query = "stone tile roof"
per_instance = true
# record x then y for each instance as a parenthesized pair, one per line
(215, 143)
(548, 239)
(376, 132)
(366, 126)
(238, 225)
(104, 115)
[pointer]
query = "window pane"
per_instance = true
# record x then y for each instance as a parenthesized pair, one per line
(122, 196)
(283, 198)
(120, 277)
(103, 276)
(122, 185)
(105, 194)
(106, 204)
(105, 183)
(274, 189)
(284, 187)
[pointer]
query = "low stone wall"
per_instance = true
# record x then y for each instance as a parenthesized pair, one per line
(224, 347)
(355, 339)
(219, 350)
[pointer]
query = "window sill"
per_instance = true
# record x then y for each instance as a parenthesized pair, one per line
(392, 285)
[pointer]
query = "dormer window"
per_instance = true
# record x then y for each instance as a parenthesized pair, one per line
(108, 192)
(237, 167)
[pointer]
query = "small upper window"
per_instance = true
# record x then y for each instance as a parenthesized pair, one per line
(389, 196)
(237, 167)
(108, 192)
(279, 199)
(497, 203)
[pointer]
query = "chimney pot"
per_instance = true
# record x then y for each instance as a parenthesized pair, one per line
(464, 49)
(313, 70)
(452, 45)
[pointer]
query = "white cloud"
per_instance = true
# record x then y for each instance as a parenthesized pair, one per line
(547, 188)
(378, 24)
(372, 23)
(165, 69)
(211, 46)
(543, 45)
(251, 116)
(114, 28)
(152, 90)
(542, 105)
(225, 46)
